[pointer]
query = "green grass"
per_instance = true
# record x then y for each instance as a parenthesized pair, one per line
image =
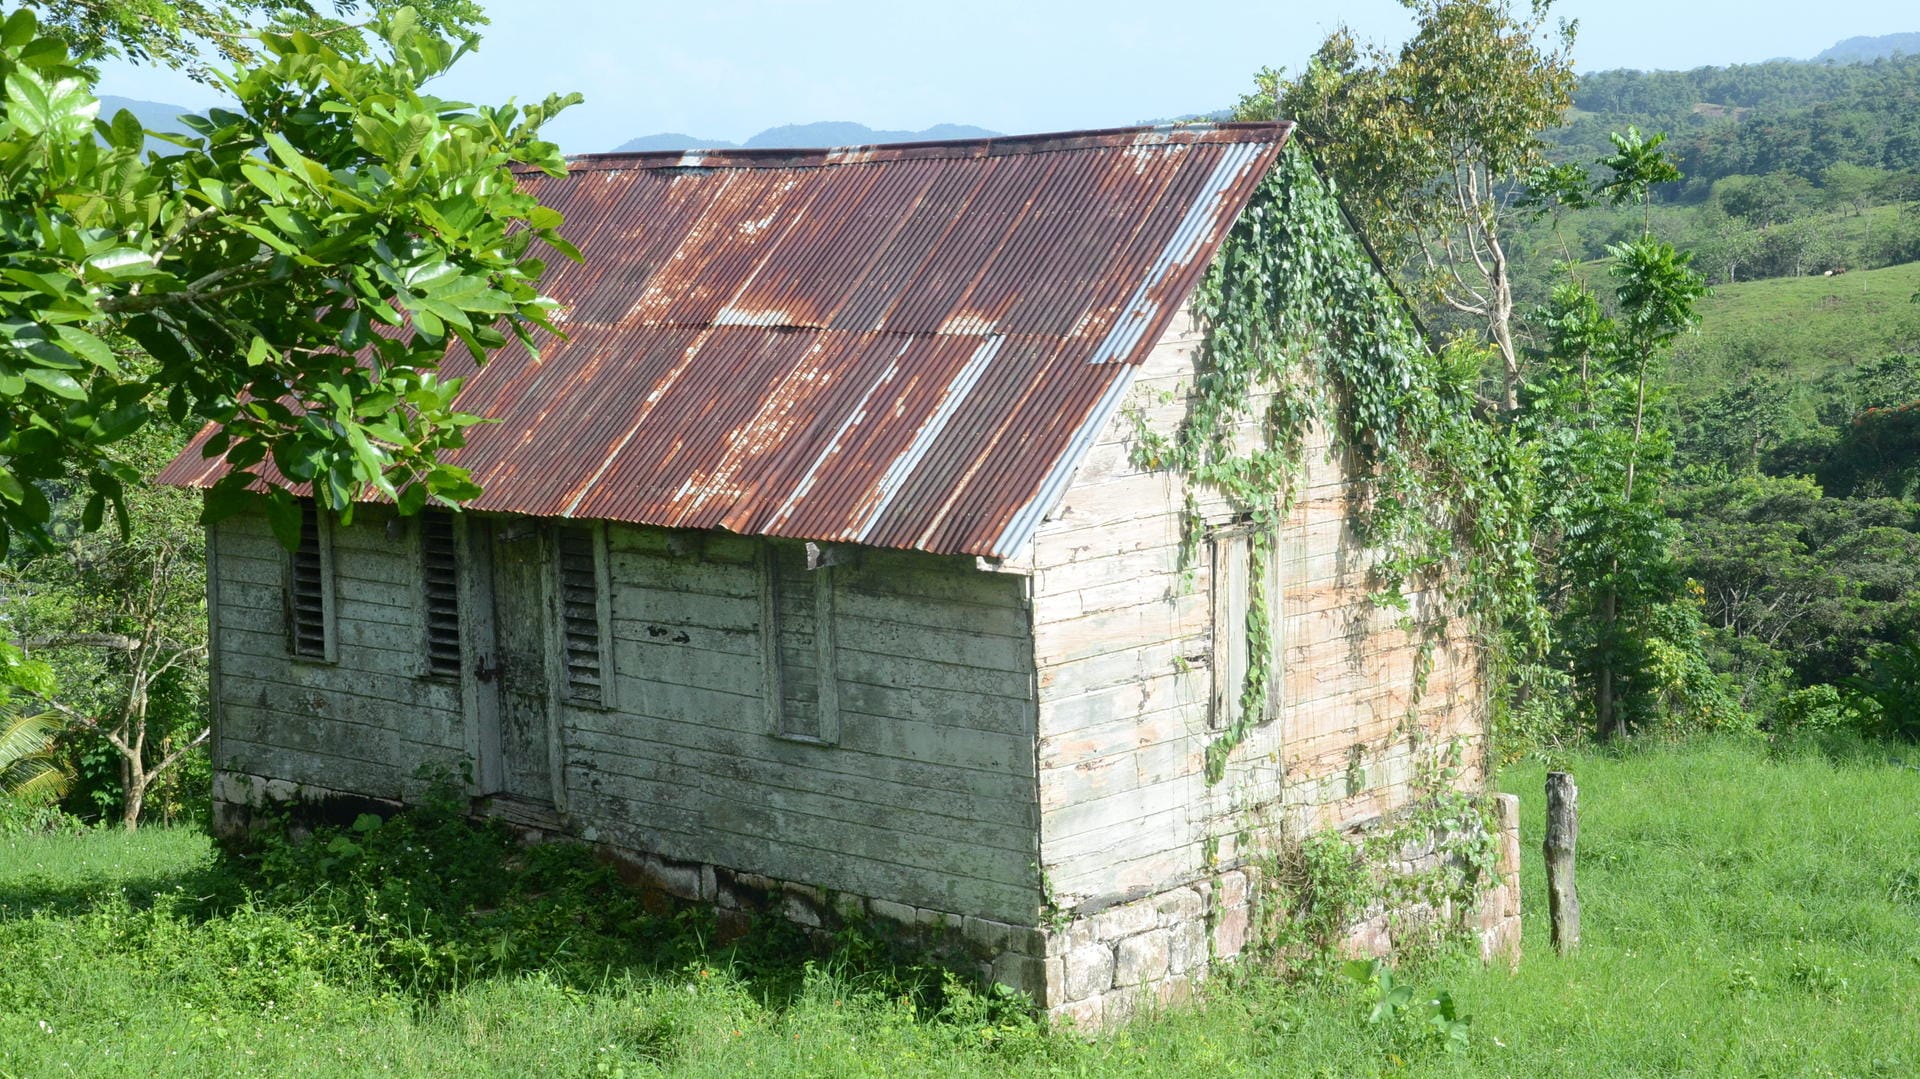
(1745, 916)
(1799, 327)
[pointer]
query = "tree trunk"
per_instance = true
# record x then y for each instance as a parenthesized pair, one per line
(1501, 323)
(1606, 722)
(136, 800)
(1563, 830)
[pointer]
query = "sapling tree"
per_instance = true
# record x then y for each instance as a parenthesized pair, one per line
(1629, 626)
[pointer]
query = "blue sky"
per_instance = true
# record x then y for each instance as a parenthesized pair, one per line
(729, 68)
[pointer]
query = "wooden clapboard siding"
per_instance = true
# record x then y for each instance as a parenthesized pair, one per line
(927, 794)
(1123, 641)
(365, 723)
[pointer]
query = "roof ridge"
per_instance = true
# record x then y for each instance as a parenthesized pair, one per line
(936, 149)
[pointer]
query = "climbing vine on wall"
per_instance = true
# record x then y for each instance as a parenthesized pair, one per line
(1293, 308)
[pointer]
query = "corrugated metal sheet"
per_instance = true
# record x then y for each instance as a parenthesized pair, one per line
(905, 346)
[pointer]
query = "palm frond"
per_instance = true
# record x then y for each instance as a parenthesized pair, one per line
(29, 770)
(35, 779)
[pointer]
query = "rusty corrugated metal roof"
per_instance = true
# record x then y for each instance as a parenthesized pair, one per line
(905, 346)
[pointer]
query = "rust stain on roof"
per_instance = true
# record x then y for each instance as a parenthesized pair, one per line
(906, 346)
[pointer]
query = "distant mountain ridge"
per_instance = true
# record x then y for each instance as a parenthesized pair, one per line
(1856, 50)
(153, 115)
(805, 137)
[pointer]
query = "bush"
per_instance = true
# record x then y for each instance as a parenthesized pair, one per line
(1818, 709)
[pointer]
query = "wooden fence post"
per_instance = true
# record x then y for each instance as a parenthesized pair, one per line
(1563, 830)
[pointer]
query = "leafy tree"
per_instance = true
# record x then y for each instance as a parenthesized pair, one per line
(1889, 690)
(176, 33)
(1761, 201)
(121, 622)
(296, 273)
(1853, 187)
(1427, 143)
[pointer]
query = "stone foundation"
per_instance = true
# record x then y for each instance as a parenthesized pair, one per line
(1093, 969)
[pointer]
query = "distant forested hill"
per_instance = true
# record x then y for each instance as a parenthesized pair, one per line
(1754, 119)
(153, 115)
(806, 136)
(1856, 49)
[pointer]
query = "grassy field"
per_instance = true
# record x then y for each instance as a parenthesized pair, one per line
(1746, 915)
(1799, 327)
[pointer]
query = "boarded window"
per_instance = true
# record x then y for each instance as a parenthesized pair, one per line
(583, 616)
(310, 632)
(440, 586)
(797, 640)
(1235, 576)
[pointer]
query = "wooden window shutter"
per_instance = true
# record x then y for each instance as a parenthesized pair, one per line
(1230, 552)
(310, 619)
(440, 588)
(584, 604)
(797, 643)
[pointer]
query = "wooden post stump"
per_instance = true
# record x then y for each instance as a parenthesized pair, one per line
(1563, 830)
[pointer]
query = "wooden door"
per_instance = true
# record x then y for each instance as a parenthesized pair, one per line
(522, 692)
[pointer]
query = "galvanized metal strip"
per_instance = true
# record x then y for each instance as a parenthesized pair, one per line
(904, 465)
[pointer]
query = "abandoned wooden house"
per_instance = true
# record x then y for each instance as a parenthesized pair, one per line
(814, 572)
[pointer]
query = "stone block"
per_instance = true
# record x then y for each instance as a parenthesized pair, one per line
(987, 934)
(1187, 948)
(1232, 889)
(1081, 932)
(1124, 1004)
(934, 922)
(1501, 944)
(1179, 906)
(815, 896)
(1368, 939)
(891, 911)
(1083, 1015)
(798, 908)
(1506, 824)
(1033, 940)
(678, 879)
(1042, 979)
(1142, 957)
(1230, 931)
(1088, 970)
(849, 908)
(1175, 990)
(1492, 907)
(1125, 920)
